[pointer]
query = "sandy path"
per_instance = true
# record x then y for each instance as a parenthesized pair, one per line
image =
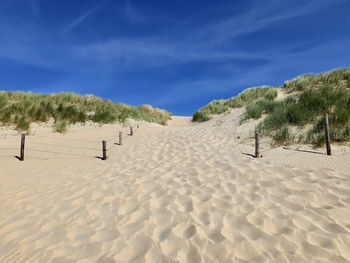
(183, 193)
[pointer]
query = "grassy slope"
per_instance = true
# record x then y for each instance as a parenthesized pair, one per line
(298, 117)
(21, 109)
(243, 99)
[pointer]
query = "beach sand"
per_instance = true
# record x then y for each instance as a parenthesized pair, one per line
(187, 192)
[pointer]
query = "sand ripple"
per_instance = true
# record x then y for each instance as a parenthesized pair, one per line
(177, 194)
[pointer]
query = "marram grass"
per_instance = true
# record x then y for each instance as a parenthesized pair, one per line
(244, 98)
(308, 98)
(21, 109)
(311, 96)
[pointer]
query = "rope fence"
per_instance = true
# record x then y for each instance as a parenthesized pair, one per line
(68, 147)
(92, 148)
(258, 143)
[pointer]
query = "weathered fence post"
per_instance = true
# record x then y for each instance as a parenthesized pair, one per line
(257, 141)
(120, 137)
(23, 139)
(328, 142)
(104, 151)
(131, 131)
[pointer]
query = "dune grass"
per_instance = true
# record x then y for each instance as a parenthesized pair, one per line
(338, 78)
(21, 109)
(314, 95)
(244, 98)
(263, 105)
(60, 126)
(299, 116)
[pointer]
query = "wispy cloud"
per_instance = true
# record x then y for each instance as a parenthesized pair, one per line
(295, 64)
(208, 43)
(261, 15)
(211, 43)
(83, 17)
(154, 51)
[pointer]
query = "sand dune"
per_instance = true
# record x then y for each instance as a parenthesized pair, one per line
(188, 192)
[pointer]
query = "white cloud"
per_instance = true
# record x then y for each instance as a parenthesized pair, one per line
(83, 17)
(35, 46)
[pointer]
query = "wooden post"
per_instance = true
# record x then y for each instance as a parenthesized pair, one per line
(257, 152)
(120, 137)
(328, 142)
(23, 139)
(104, 151)
(138, 126)
(131, 131)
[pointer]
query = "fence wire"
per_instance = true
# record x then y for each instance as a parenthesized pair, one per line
(248, 139)
(90, 146)
(49, 147)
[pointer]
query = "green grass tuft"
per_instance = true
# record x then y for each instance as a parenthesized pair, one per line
(60, 126)
(20, 108)
(310, 96)
(244, 98)
(22, 123)
(338, 78)
(283, 136)
(201, 115)
(314, 95)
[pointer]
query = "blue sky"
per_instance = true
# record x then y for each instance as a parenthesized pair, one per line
(177, 55)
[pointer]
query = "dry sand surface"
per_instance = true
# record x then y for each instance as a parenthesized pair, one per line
(188, 192)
